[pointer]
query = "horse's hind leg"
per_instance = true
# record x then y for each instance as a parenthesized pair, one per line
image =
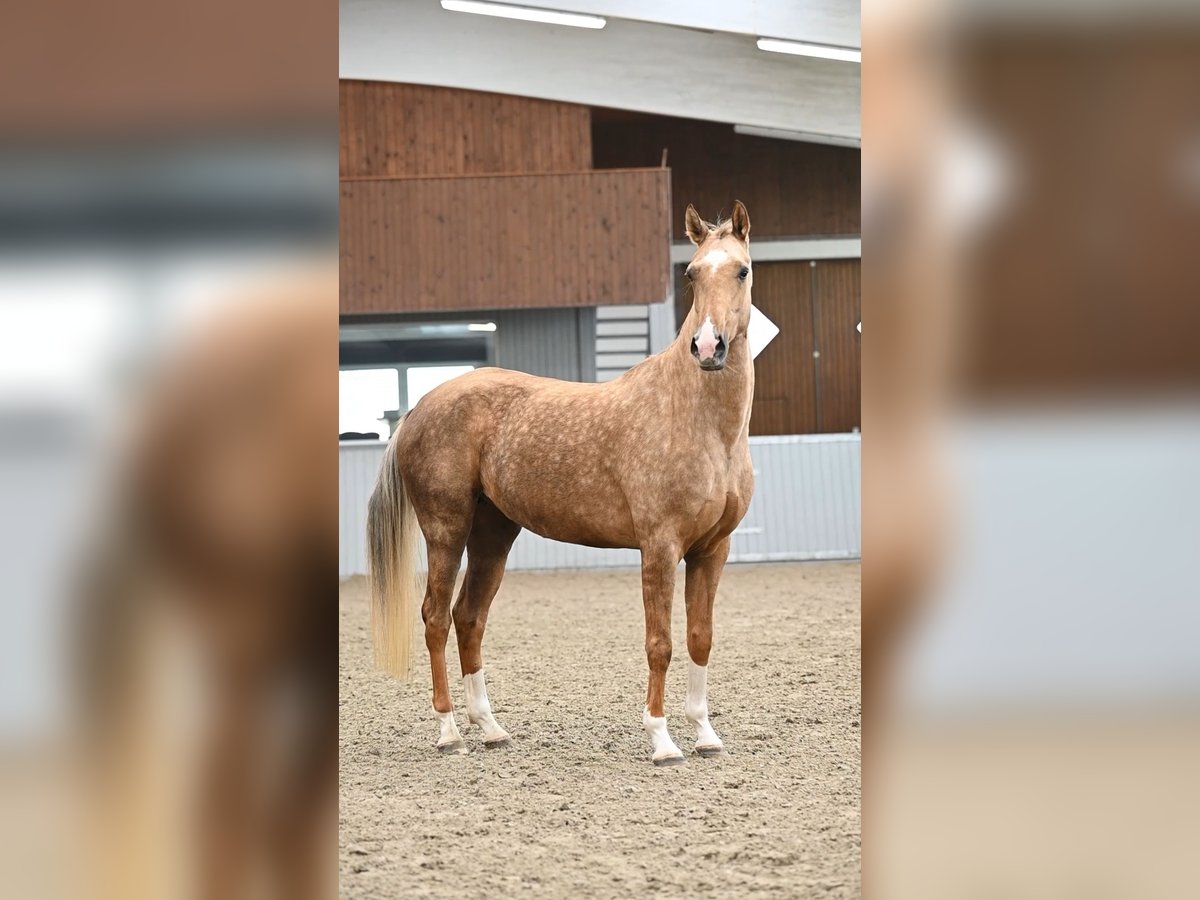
(700, 592)
(445, 553)
(492, 536)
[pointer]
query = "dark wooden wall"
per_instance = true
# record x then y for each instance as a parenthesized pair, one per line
(407, 130)
(1085, 281)
(504, 241)
(816, 306)
(837, 310)
(791, 188)
(463, 200)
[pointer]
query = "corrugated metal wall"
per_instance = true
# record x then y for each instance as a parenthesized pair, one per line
(556, 343)
(806, 506)
(622, 339)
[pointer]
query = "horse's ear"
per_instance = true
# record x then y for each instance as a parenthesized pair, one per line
(741, 222)
(697, 228)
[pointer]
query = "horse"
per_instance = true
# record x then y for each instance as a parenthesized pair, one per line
(657, 460)
(219, 542)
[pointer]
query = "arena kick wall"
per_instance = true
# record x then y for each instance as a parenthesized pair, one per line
(806, 506)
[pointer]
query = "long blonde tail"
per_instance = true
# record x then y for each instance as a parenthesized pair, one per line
(393, 544)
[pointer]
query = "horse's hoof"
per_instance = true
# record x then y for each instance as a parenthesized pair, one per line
(454, 748)
(710, 752)
(670, 761)
(497, 744)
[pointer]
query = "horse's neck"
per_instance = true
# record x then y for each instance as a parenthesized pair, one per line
(714, 402)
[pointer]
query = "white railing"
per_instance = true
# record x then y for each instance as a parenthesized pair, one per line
(806, 506)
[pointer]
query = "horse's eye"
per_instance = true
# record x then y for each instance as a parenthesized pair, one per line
(743, 273)
(688, 273)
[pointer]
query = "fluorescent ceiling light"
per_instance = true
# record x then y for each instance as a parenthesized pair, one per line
(482, 326)
(812, 137)
(524, 13)
(798, 48)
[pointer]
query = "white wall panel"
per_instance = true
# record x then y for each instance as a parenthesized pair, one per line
(806, 506)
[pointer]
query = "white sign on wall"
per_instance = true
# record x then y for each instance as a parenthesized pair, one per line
(761, 331)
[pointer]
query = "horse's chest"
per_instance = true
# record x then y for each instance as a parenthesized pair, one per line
(720, 494)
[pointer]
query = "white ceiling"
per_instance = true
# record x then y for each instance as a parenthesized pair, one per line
(720, 76)
(817, 21)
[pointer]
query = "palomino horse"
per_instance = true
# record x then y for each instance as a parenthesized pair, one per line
(657, 460)
(221, 547)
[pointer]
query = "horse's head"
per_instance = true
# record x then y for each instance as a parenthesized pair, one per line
(720, 277)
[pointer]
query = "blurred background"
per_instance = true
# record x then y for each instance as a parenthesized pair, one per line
(513, 194)
(168, 211)
(1029, 210)
(1030, 614)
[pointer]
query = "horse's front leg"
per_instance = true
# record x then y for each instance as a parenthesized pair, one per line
(658, 587)
(700, 592)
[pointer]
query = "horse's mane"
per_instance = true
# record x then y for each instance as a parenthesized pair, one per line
(720, 224)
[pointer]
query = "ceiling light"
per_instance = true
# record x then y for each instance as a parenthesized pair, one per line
(799, 48)
(524, 13)
(482, 326)
(812, 137)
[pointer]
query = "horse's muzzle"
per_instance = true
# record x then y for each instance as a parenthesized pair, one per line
(715, 361)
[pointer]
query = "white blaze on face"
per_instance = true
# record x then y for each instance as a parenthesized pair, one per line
(706, 338)
(714, 258)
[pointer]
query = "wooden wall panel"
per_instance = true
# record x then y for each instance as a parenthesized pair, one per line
(816, 309)
(389, 129)
(489, 242)
(785, 386)
(837, 314)
(790, 188)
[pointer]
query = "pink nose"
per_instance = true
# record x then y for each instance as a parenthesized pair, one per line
(709, 347)
(706, 346)
(706, 340)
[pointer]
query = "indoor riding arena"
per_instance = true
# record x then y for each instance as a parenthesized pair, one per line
(493, 217)
(573, 807)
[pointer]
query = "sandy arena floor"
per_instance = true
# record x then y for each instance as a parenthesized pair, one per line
(574, 808)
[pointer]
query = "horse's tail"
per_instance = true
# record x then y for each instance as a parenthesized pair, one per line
(392, 547)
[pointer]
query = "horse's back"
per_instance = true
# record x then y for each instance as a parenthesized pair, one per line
(538, 448)
(442, 439)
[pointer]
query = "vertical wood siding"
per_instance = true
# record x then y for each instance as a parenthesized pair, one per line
(785, 378)
(837, 314)
(487, 242)
(790, 188)
(817, 310)
(806, 505)
(407, 130)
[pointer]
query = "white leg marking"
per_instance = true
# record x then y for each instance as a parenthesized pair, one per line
(696, 710)
(479, 709)
(661, 746)
(449, 737)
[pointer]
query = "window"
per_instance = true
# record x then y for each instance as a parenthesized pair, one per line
(363, 397)
(423, 379)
